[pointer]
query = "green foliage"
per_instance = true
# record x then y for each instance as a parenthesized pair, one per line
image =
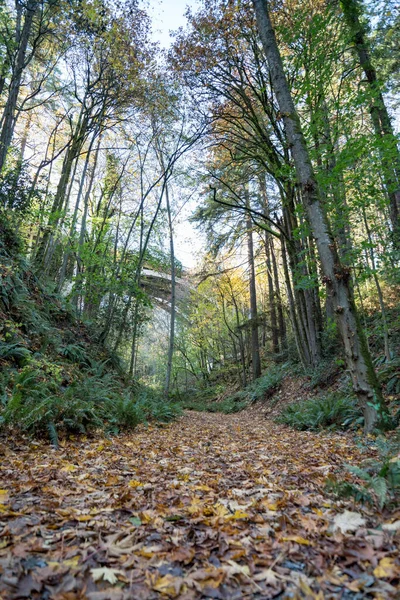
(266, 385)
(75, 353)
(229, 405)
(260, 389)
(41, 403)
(377, 480)
(145, 406)
(56, 379)
(323, 374)
(10, 241)
(14, 351)
(335, 410)
(389, 375)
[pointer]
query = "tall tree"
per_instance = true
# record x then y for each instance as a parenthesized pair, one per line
(336, 276)
(389, 150)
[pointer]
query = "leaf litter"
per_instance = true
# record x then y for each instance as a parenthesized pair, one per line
(210, 506)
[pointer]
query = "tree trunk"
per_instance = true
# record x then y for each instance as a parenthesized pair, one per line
(8, 118)
(337, 277)
(242, 347)
(79, 262)
(299, 337)
(303, 295)
(271, 296)
(385, 327)
(281, 318)
(173, 294)
(255, 344)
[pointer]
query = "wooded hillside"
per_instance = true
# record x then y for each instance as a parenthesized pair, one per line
(208, 227)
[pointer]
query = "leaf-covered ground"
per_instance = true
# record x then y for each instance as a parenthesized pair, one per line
(211, 506)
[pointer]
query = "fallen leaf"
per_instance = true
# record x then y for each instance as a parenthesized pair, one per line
(395, 526)
(268, 576)
(106, 574)
(134, 483)
(298, 539)
(348, 521)
(168, 585)
(4, 496)
(386, 568)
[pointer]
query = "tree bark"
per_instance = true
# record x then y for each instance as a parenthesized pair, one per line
(281, 317)
(173, 294)
(271, 296)
(255, 344)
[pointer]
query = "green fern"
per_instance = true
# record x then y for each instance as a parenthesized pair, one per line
(14, 351)
(75, 353)
(381, 478)
(333, 411)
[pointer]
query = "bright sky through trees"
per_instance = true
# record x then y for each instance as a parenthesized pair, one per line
(168, 16)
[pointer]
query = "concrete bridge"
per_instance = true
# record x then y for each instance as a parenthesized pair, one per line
(158, 286)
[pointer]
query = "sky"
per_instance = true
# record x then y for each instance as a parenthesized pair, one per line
(168, 15)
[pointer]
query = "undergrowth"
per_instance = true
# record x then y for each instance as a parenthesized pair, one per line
(260, 389)
(334, 410)
(376, 481)
(54, 377)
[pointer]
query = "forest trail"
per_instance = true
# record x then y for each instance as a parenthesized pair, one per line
(210, 506)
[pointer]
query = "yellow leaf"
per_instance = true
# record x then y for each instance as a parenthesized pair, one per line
(298, 539)
(208, 511)
(219, 510)
(168, 585)
(69, 468)
(71, 562)
(386, 568)
(4, 496)
(84, 518)
(134, 483)
(146, 516)
(238, 514)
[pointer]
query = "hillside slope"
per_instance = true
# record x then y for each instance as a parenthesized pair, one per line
(54, 374)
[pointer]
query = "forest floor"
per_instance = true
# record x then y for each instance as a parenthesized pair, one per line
(210, 506)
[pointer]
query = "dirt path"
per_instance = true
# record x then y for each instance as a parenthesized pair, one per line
(211, 506)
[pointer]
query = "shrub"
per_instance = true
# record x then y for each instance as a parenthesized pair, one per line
(266, 385)
(127, 413)
(380, 478)
(41, 402)
(61, 386)
(389, 375)
(75, 353)
(333, 411)
(14, 351)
